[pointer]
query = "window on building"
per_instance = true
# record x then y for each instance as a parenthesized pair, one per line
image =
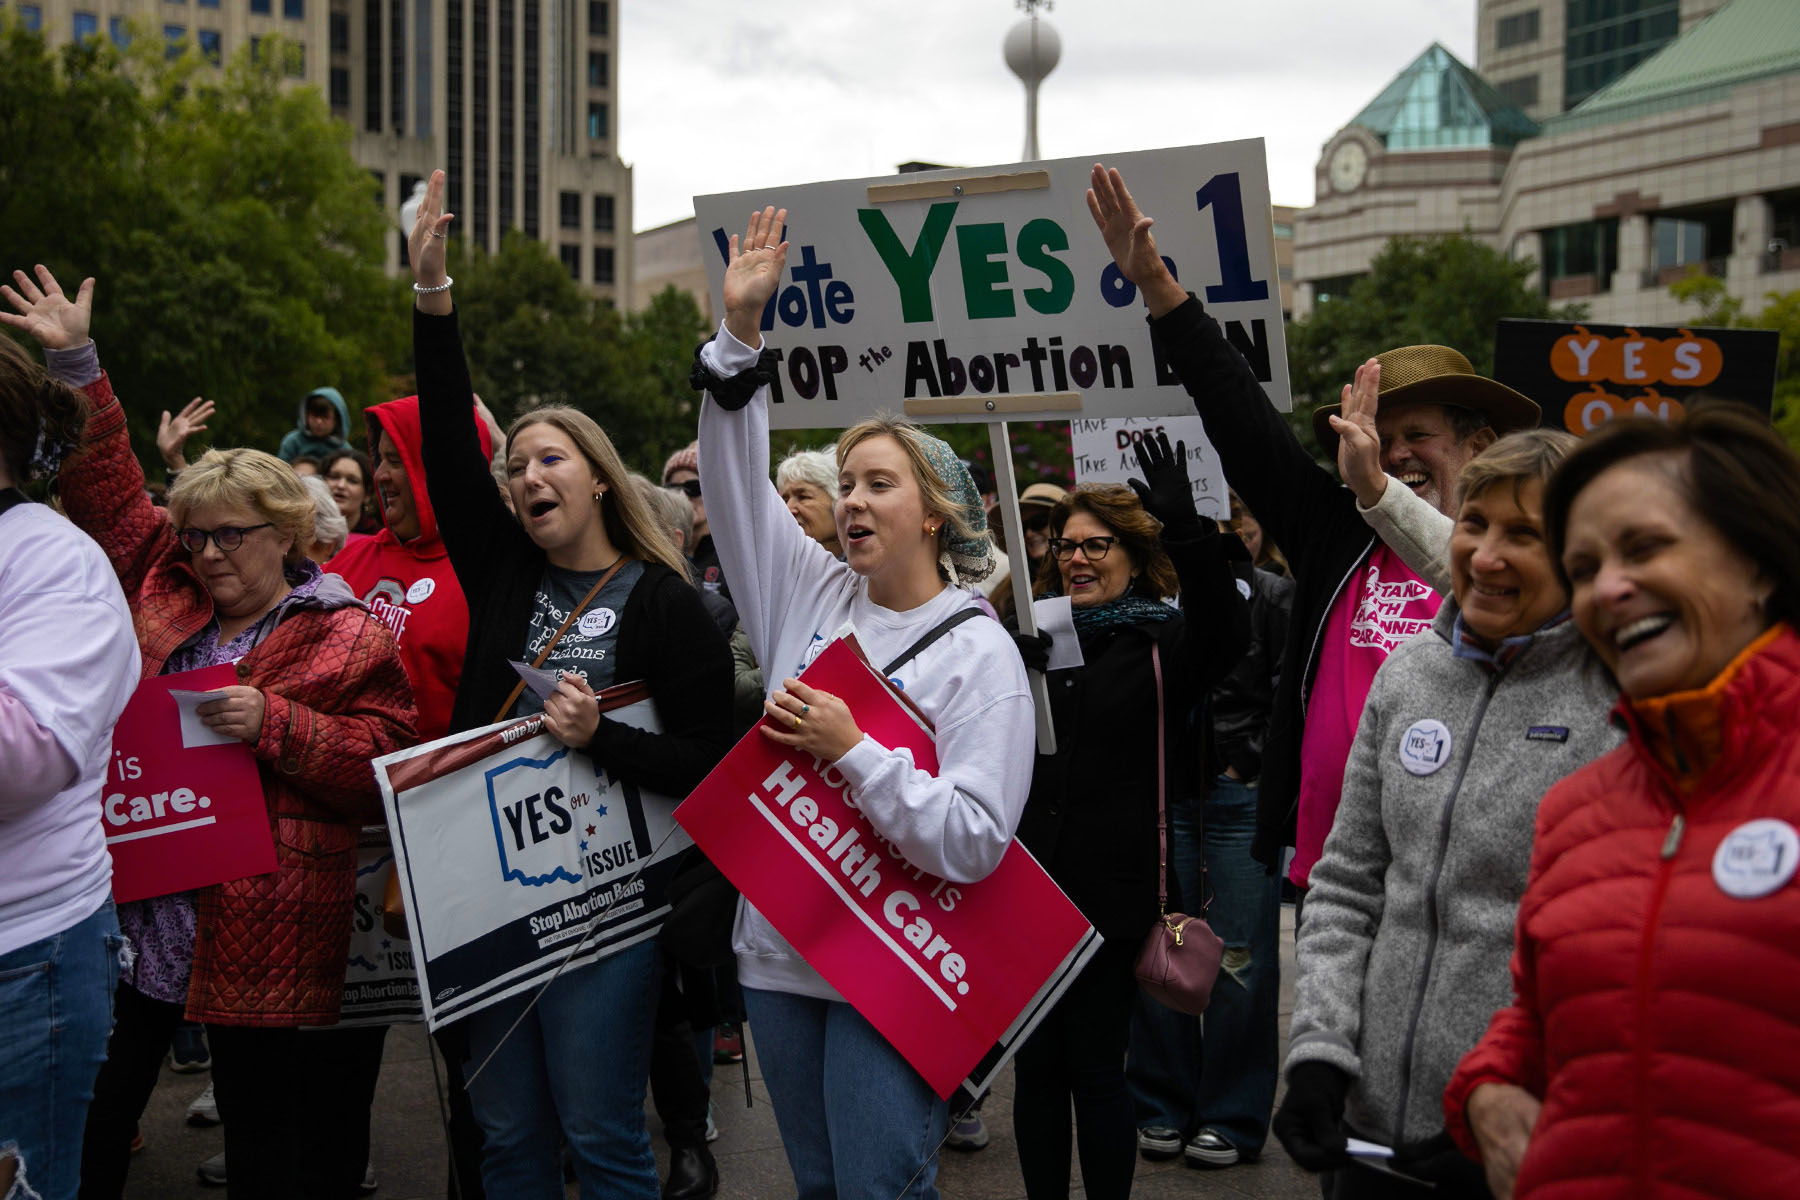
(1784, 230)
(212, 46)
(1284, 231)
(599, 18)
(373, 65)
(599, 69)
(1699, 238)
(31, 16)
(118, 31)
(1606, 38)
(1517, 30)
(603, 264)
(294, 10)
(340, 33)
(568, 206)
(571, 258)
(603, 213)
(207, 3)
(340, 87)
(1579, 259)
(1521, 92)
(1334, 288)
(87, 25)
(260, 8)
(173, 34)
(599, 120)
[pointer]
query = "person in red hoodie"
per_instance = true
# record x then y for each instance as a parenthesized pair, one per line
(1653, 1046)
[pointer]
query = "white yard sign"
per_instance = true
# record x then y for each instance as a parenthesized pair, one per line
(987, 294)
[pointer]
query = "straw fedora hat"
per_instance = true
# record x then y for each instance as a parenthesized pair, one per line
(1038, 495)
(1413, 375)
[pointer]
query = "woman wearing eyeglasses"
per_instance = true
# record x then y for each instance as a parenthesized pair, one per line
(221, 576)
(1091, 819)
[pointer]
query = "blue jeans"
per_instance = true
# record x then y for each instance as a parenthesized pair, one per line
(1224, 1081)
(55, 1015)
(856, 1120)
(578, 1064)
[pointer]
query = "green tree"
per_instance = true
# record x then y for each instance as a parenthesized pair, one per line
(236, 244)
(1780, 312)
(1447, 290)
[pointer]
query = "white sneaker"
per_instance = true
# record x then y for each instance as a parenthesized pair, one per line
(204, 1110)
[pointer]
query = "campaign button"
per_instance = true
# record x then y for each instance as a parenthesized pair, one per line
(1756, 858)
(597, 621)
(421, 591)
(1425, 746)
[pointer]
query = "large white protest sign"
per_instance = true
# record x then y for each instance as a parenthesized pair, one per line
(1104, 454)
(380, 985)
(510, 846)
(987, 294)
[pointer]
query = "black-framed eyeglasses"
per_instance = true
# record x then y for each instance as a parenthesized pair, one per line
(1093, 549)
(225, 537)
(687, 487)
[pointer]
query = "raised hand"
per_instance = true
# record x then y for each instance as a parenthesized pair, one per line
(753, 273)
(1359, 444)
(426, 246)
(173, 432)
(1126, 231)
(51, 318)
(1166, 491)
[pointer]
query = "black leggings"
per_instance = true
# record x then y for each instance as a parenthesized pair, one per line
(1078, 1052)
(142, 1028)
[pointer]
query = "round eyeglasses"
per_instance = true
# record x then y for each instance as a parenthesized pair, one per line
(225, 537)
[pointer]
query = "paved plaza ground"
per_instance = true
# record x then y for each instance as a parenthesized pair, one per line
(409, 1155)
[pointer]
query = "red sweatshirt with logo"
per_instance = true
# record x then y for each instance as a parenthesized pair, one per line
(409, 585)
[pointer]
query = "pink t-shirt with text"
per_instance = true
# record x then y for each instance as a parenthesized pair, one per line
(1378, 609)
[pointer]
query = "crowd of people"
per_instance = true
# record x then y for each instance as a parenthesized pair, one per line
(1506, 709)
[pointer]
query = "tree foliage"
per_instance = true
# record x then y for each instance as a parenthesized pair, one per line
(1780, 312)
(236, 243)
(1448, 290)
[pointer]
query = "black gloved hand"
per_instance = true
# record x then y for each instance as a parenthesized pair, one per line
(1166, 492)
(1438, 1160)
(1309, 1119)
(1033, 648)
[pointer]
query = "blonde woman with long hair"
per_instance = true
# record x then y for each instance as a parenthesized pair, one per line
(582, 544)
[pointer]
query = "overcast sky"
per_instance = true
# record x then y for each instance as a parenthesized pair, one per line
(720, 95)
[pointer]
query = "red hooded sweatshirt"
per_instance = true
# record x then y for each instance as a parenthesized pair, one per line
(410, 585)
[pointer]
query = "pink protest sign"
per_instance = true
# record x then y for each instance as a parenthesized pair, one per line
(180, 816)
(954, 975)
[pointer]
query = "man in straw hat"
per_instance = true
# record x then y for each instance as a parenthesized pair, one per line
(1354, 600)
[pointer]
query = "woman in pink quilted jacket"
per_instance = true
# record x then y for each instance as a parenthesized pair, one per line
(221, 576)
(1653, 1048)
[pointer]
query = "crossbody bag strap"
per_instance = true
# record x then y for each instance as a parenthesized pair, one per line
(933, 634)
(1162, 808)
(519, 687)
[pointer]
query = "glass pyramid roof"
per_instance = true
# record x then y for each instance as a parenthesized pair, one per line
(1438, 103)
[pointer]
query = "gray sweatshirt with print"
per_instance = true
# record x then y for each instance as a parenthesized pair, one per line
(1407, 933)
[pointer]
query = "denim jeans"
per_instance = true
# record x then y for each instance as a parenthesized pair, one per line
(1233, 1093)
(856, 1120)
(579, 1063)
(55, 1015)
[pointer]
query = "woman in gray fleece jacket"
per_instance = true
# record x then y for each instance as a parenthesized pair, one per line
(1408, 926)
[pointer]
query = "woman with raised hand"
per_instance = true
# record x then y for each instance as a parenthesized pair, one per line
(577, 1064)
(1097, 804)
(856, 1120)
(1409, 924)
(1652, 1048)
(221, 576)
(60, 696)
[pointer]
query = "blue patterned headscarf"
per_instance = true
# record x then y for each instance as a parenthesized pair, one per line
(965, 560)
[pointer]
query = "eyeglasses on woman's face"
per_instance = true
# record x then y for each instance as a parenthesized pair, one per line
(687, 487)
(1093, 549)
(225, 537)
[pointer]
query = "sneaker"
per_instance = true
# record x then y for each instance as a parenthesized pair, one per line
(968, 1133)
(188, 1054)
(204, 1110)
(212, 1171)
(728, 1045)
(712, 1126)
(1158, 1143)
(368, 1183)
(1208, 1149)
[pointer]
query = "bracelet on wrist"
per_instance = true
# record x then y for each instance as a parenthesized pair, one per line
(428, 291)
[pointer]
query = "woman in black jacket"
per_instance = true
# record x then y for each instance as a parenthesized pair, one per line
(1091, 819)
(583, 544)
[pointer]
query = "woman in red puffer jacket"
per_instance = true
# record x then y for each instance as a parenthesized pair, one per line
(1653, 1048)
